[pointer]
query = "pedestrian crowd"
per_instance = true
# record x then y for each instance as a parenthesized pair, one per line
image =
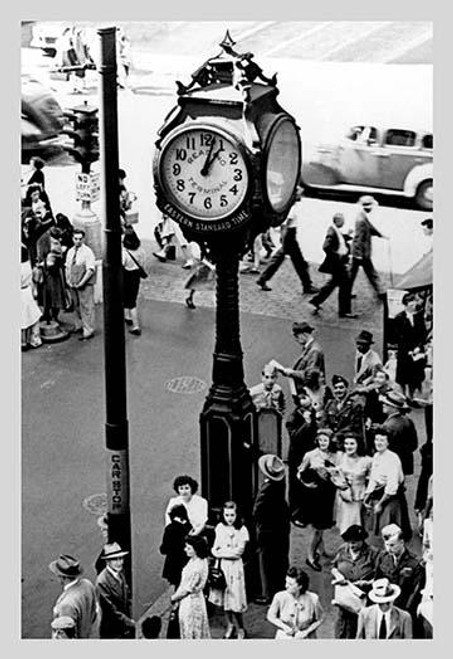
(349, 461)
(58, 268)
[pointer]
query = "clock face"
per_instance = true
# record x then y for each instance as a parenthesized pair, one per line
(204, 173)
(283, 164)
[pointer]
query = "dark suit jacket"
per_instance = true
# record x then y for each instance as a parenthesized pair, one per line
(172, 547)
(363, 231)
(408, 337)
(312, 356)
(403, 439)
(409, 574)
(270, 511)
(400, 623)
(347, 418)
(114, 598)
(333, 262)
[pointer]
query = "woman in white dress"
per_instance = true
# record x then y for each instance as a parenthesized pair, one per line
(196, 506)
(192, 613)
(31, 313)
(355, 468)
(231, 537)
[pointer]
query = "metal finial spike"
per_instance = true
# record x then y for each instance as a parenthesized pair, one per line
(227, 42)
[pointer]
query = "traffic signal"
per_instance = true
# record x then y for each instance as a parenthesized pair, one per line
(84, 132)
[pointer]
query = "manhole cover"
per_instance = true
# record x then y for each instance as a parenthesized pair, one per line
(96, 504)
(185, 385)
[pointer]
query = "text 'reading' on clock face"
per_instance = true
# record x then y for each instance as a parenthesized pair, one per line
(283, 164)
(204, 173)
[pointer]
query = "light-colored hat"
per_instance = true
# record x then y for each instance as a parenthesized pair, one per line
(394, 399)
(66, 566)
(112, 550)
(63, 622)
(272, 466)
(383, 591)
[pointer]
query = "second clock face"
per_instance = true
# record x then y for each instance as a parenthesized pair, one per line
(204, 173)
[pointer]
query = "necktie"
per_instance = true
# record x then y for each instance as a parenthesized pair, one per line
(359, 362)
(383, 628)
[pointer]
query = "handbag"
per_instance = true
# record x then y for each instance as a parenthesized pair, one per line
(141, 271)
(349, 597)
(173, 630)
(216, 576)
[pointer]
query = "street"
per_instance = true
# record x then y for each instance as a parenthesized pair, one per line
(169, 366)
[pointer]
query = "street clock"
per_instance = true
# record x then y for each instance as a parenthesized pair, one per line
(228, 155)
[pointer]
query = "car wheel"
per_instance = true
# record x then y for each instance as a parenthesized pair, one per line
(424, 195)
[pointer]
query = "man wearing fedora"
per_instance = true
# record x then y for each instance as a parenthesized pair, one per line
(78, 599)
(401, 566)
(383, 620)
(402, 434)
(271, 515)
(114, 595)
(312, 355)
(366, 358)
(364, 230)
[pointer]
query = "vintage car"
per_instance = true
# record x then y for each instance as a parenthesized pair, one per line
(386, 160)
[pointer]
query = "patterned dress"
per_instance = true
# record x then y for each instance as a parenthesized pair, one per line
(229, 545)
(348, 503)
(193, 618)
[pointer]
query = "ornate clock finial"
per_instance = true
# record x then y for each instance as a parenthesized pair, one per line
(227, 43)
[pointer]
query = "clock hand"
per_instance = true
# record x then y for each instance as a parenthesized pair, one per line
(205, 168)
(208, 165)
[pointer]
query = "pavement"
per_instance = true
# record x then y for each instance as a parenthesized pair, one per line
(63, 457)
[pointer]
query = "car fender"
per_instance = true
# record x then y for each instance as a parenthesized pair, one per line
(416, 176)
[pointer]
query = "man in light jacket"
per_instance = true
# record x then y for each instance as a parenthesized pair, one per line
(383, 620)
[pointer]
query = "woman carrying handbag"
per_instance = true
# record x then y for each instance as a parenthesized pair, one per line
(231, 537)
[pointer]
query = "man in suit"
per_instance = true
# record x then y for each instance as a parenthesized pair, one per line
(403, 439)
(383, 620)
(114, 595)
(312, 356)
(401, 566)
(78, 599)
(335, 263)
(366, 358)
(271, 516)
(361, 246)
(291, 247)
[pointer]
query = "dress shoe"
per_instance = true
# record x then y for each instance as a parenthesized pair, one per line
(298, 523)
(317, 307)
(189, 303)
(314, 565)
(188, 264)
(230, 632)
(161, 256)
(86, 337)
(136, 331)
(263, 285)
(128, 321)
(348, 315)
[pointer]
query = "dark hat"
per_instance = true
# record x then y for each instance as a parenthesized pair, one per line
(367, 201)
(364, 336)
(395, 399)
(339, 378)
(112, 550)
(272, 467)
(429, 223)
(66, 566)
(354, 533)
(301, 328)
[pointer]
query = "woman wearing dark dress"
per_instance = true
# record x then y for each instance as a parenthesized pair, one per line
(410, 337)
(314, 473)
(51, 293)
(173, 543)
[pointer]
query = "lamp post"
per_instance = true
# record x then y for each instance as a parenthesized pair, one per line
(226, 168)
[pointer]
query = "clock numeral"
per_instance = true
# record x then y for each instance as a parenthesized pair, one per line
(191, 197)
(223, 200)
(180, 185)
(237, 175)
(207, 203)
(206, 139)
(233, 158)
(176, 169)
(190, 143)
(181, 154)
(234, 190)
